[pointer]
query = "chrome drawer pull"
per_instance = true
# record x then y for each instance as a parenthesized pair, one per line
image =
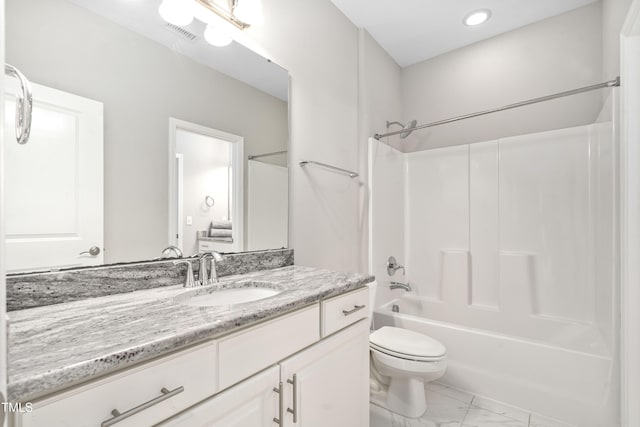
(294, 411)
(278, 390)
(117, 416)
(353, 310)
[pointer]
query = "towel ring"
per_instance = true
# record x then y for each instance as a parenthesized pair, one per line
(209, 201)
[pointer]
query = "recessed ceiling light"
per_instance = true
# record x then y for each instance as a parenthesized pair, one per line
(477, 17)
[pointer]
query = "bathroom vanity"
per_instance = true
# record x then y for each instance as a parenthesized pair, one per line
(148, 358)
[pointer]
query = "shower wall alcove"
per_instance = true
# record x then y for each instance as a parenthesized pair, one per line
(509, 246)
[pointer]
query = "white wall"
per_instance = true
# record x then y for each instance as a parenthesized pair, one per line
(613, 14)
(560, 53)
(3, 293)
(267, 206)
(319, 47)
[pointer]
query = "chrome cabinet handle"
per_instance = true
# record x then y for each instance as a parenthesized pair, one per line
(93, 251)
(24, 105)
(278, 390)
(117, 416)
(353, 310)
(294, 411)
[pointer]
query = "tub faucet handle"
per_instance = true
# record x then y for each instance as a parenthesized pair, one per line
(393, 266)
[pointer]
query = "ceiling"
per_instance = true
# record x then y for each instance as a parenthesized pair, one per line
(412, 31)
(235, 60)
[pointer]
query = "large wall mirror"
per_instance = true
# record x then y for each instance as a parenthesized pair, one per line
(143, 136)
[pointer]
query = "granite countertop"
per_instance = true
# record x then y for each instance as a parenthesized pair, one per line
(56, 346)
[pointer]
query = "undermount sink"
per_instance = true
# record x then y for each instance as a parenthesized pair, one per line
(238, 294)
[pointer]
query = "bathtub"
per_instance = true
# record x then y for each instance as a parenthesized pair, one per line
(575, 386)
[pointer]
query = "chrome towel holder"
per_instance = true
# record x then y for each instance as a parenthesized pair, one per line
(335, 168)
(24, 105)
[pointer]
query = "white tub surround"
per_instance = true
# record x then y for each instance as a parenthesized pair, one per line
(510, 248)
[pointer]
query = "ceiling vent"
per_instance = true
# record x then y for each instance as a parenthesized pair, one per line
(187, 35)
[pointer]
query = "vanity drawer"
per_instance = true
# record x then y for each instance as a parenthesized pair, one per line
(343, 310)
(188, 376)
(246, 352)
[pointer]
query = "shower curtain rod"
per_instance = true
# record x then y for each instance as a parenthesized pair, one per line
(610, 83)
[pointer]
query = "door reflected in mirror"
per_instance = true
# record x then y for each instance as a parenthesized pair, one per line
(123, 56)
(207, 194)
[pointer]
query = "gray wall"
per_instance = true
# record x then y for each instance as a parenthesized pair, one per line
(554, 55)
(141, 84)
(319, 47)
(380, 100)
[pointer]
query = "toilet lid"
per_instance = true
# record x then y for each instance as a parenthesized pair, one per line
(406, 343)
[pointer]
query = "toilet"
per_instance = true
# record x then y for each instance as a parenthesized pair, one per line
(404, 360)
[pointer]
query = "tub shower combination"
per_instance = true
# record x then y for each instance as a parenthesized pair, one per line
(509, 247)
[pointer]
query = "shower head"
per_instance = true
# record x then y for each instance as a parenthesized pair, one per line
(408, 128)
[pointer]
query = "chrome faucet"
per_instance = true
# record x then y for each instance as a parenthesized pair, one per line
(215, 257)
(176, 250)
(203, 277)
(399, 285)
(189, 281)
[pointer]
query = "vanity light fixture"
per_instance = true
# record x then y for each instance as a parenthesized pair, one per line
(176, 12)
(240, 13)
(248, 11)
(477, 17)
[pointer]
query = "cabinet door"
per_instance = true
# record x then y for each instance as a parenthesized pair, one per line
(252, 403)
(331, 381)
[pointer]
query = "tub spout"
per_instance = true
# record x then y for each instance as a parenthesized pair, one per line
(399, 285)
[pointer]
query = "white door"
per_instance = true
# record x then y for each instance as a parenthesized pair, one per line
(267, 209)
(332, 381)
(252, 403)
(53, 185)
(3, 287)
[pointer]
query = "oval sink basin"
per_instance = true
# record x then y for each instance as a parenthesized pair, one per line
(227, 296)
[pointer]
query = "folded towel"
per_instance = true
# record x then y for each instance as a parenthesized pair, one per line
(225, 225)
(222, 239)
(216, 232)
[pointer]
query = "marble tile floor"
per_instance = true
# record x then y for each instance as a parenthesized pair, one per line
(449, 407)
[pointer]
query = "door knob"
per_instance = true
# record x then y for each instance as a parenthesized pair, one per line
(93, 251)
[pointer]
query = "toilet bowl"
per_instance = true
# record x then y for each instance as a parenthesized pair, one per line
(406, 360)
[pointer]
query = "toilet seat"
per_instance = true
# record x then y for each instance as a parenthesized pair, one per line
(405, 356)
(407, 344)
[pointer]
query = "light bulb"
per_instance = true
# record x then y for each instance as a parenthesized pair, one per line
(216, 37)
(477, 17)
(176, 12)
(249, 11)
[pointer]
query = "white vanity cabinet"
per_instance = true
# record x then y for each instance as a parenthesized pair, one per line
(252, 403)
(144, 395)
(324, 385)
(328, 384)
(279, 372)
